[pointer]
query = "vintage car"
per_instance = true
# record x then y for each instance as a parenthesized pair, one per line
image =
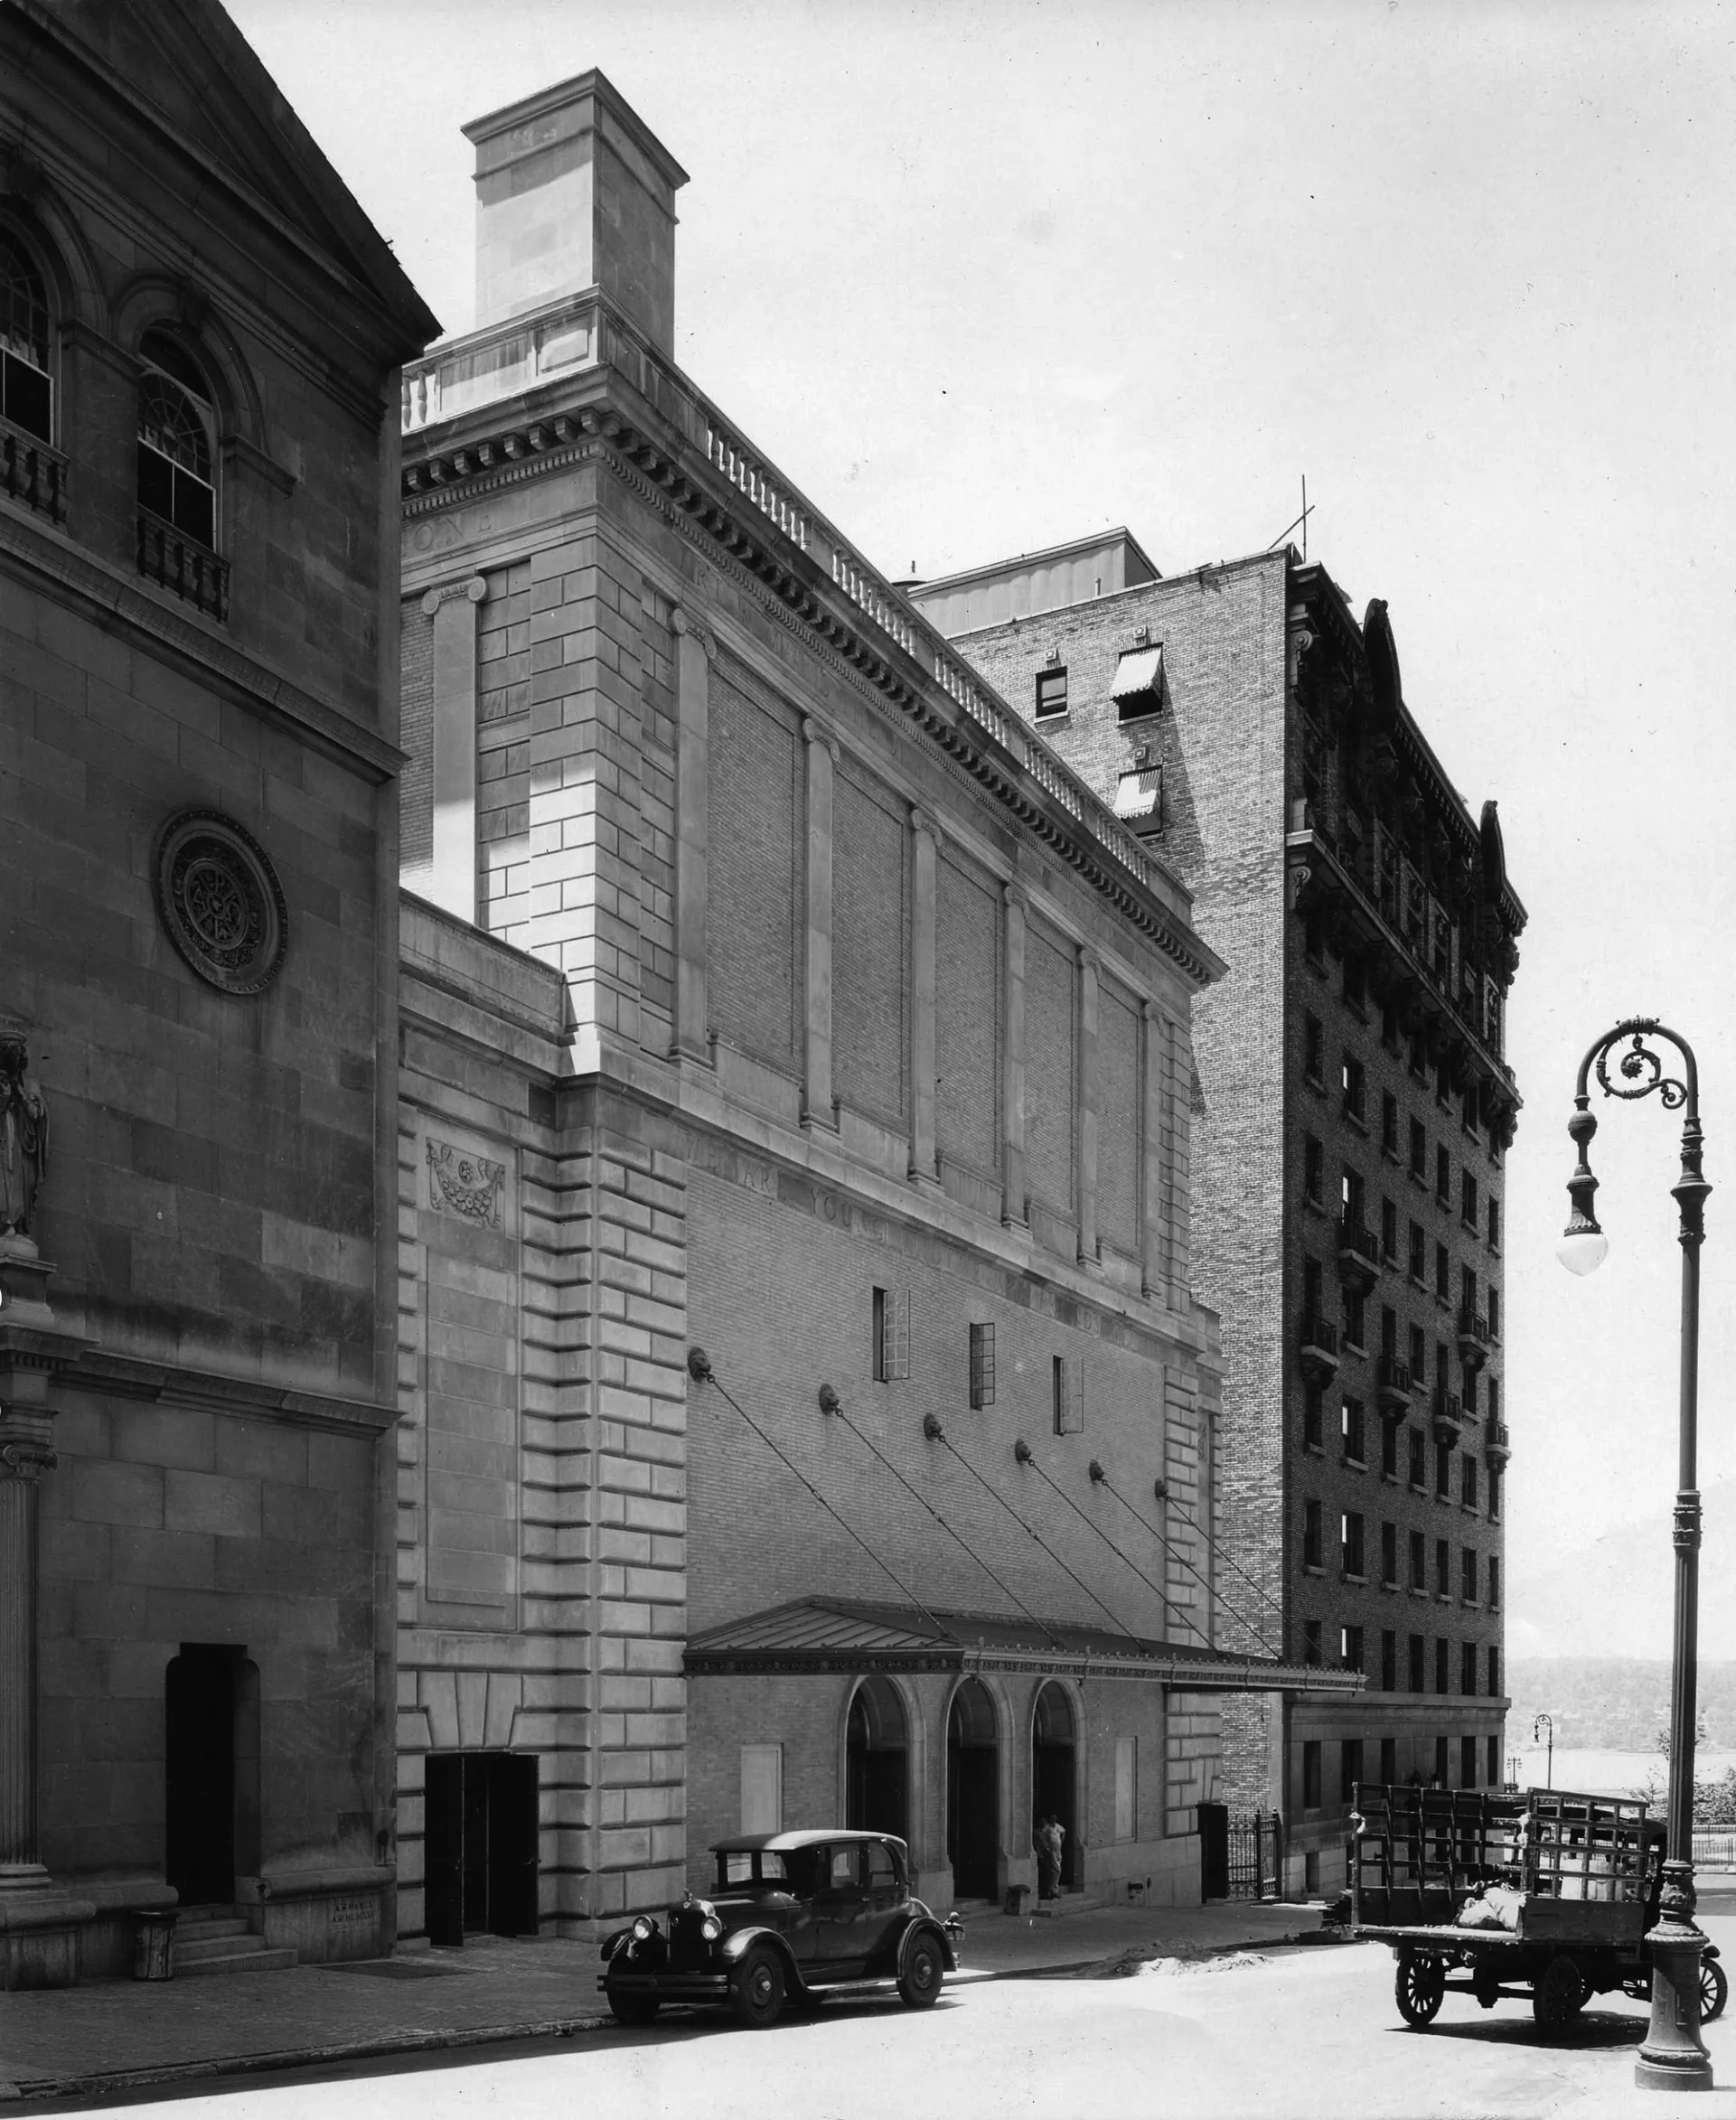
(794, 1915)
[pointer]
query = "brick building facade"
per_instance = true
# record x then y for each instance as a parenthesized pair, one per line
(200, 335)
(807, 1411)
(1355, 1108)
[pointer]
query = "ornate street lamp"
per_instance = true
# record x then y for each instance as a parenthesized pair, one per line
(1546, 1721)
(1674, 2056)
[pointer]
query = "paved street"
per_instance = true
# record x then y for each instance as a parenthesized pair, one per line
(1302, 2032)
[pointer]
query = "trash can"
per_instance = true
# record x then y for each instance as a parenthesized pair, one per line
(1017, 1897)
(154, 1944)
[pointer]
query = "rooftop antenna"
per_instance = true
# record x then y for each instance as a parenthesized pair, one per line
(1300, 523)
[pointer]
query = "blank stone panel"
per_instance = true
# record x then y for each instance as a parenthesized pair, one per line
(967, 1017)
(870, 922)
(415, 782)
(754, 884)
(1049, 1069)
(1118, 1145)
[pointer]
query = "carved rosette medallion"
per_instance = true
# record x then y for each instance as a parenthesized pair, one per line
(467, 1186)
(218, 896)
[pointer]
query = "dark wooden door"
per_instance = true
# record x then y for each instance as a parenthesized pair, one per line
(199, 1771)
(973, 1819)
(514, 1843)
(1213, 1852)
(444, 1848)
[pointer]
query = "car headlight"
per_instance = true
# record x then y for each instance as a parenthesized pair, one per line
(711, 1928)
(644, 1929)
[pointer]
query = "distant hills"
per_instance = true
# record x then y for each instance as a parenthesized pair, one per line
(1617, 1703)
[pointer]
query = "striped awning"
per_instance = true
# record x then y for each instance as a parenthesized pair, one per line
(819, 1634)
(1139, 680)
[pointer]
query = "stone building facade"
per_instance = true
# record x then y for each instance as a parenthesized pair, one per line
(1354, 1115)
(807, 1411)
(200, 335)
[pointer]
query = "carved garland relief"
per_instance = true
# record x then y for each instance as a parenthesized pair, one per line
(469, 1186)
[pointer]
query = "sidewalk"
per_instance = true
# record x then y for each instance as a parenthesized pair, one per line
(109, 2036)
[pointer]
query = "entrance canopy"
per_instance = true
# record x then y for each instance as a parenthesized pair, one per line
(818, 1634)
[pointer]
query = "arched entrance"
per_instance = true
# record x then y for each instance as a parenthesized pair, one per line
(876, 1761)
(1054, 1780)
(974, 1793)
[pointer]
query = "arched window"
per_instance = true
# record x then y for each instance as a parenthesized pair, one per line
(177, 436)
(26, 385)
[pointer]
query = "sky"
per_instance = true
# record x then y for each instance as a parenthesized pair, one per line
(982, 278)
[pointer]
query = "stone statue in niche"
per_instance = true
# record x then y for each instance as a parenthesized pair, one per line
(23, 1143)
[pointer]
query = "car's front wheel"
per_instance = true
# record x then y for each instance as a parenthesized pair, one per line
(632, 2009)
(756, 1989)
(920, 1981)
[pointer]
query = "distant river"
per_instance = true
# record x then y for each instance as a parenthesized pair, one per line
(1611, 1774)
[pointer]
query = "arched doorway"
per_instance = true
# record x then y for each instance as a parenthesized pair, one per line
(876, 1761)
(974, 1793)
(1054, 1780)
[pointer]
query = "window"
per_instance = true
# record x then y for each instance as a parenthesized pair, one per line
(1388, 1124)
(1467, 1111)
(1314, 933)
(762, 1789)
(1355, 1312)
(1443, 1568)
(1468, 1291)
(1312, 1549)
(1350, 1431)
(1443, 1175)
(1492, 1751)
(1051, 691)
(1311, 1644)
(1138, 689)
(844, 1869)
(1356, 988)
(1419, 1358)
(1442, 1085)
(1350, 1196)
(982, 1366)
(1443, 1471)
(1389, 1331)
(1389, 1027)
(1350, 1543)
(1418, 1561)
(1389, 1555)
(1493, 1308)
(1495, 1675)
(1468, 1762)
(1419, 1151)
(1495, 1489)
(1467, 1390)
(1389, 1232)
(1313, 1172)
(1443, 1273)
(1441, 1769)
(1355, 1089)
(1311, 1287)
(1492, 1400)
(1468, 1479)
(1468, 1669)
(1311, 1773)
(1442, 1650)
(1389, 1450)
(1418, 1470)
(1495, 1583)
(177, 429)
(882, 1871)
(1418, 1263)
(1349, 1766)
(1417, 1672)
(1494, 1207)
(1468, 1575)
(26, 385)
(1312, 1423)
(1419, 1056)
(1350, 1648)
(1068, 1381)
(1127, 1787)
(1467, 1199)
(1388, 1671)
(1313, 1050)
(891, 1334)
(1389, 1760)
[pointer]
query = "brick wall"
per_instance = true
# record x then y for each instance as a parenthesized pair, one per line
(504, 754)
(752, 909)
(1050, 1058)
(967, 1017)
(870, 932)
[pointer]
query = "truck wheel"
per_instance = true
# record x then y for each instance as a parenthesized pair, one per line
(632, 2009)
(1420, 1984)
(757, 1989)
(1558, 1994)
(920, 1982)
(1714, 1990)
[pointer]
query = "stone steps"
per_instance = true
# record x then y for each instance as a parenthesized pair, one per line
(219, 1940)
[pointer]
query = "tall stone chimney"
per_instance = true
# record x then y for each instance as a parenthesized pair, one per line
(574, 191)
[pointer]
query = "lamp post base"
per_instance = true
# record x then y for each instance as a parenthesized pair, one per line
(1674, 2056)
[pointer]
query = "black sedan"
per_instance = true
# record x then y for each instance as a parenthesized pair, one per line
(793, 1916)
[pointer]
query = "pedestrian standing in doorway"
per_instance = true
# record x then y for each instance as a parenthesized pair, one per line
(1045, 1853)
(1057, 1852)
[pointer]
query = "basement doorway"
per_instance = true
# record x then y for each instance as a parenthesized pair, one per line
(876, 1761)
(482, 1845)
(211, 1761)
(974, 1793)
(1055, 1777)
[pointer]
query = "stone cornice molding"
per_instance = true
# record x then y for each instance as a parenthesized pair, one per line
(130, 1378)
(120, 604)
